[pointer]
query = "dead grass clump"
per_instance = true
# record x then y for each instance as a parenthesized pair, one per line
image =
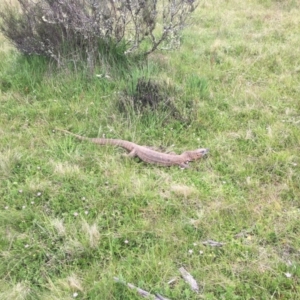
(65, 168)
(183, 190)
(149, 95)
(92, 233)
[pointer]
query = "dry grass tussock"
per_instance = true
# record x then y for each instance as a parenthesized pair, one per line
(8, 160)
(65, 168)
(19, 291)
(92, 233)
(183, 190)
(59, 226)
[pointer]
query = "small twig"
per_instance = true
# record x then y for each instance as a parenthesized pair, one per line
(242, 234)
(189, 279)
(160, 297)
(172, 281)
(140, 291)
(213, 243)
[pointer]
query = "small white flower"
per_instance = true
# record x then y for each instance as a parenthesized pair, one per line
(23, 207)
(288, 275)
(75, 214)
(20, 191)
(190, 251)
(195, 244)
(83, 198)
(6, 207)
(39, 194)
(201, 252)
(32, 202)
(75, 295)
(86, 212)
(38, 168)
(26, 246)
(126, 241)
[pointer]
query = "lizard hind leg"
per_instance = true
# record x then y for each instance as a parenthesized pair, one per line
(132, 153)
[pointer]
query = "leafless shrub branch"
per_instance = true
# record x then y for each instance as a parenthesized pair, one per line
(77, 29)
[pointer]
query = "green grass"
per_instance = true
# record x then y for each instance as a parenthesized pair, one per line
(73, 215)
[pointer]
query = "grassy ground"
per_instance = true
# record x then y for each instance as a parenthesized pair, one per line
(74, 215)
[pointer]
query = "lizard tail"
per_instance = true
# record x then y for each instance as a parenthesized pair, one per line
(73, 134)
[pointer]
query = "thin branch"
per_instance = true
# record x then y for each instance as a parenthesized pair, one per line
(189, 279)
(140, 291)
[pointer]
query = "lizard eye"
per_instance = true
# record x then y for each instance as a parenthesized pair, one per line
(204, 151)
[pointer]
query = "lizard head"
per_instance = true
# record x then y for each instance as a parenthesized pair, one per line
(198, 153)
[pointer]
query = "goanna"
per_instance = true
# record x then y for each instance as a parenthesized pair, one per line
(146, 154)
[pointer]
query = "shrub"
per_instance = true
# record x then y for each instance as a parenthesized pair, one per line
(87, 29)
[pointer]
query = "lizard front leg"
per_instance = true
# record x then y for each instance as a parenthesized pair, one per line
(184, 165)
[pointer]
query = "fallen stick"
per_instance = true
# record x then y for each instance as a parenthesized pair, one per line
(173, 280)
(189, 279)
(140, 291)
(213, 243)
(160, 297)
